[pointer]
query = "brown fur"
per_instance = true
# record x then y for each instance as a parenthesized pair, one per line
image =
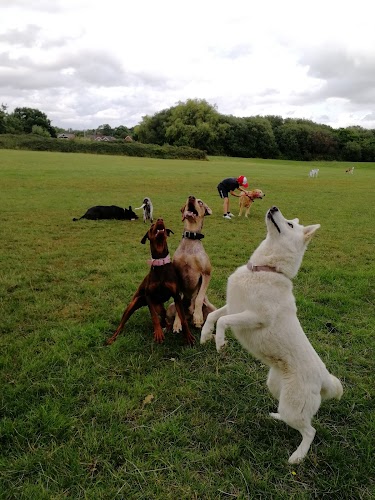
(247, 199)
(158, 286)
(193, 266)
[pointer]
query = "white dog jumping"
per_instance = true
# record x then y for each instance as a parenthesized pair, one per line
(262, 314)
(148, 210)
(314, 172)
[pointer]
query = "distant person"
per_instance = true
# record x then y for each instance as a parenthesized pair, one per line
(227, 186)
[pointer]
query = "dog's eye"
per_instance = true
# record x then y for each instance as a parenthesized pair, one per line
(290, 224)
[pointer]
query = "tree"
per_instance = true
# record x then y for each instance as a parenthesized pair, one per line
(25, 118)
(37, 130)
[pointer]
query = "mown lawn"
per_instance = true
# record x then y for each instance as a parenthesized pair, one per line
(144, 421)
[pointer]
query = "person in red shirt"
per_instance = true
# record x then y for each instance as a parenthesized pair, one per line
(227, 186)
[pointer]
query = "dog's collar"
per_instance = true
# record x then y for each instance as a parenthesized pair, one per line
(159, 262)
(192, 235)
(269, 269)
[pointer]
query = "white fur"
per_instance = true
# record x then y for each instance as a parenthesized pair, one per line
(262, 314)
(314, 172)
(148, 210)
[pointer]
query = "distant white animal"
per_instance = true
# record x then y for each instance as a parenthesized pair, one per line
(314, 172)
(148, 210)
(262, 314)
(350, 170)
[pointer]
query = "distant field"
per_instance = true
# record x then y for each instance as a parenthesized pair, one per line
(73, 418)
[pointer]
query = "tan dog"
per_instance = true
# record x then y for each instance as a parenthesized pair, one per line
(247, 199)
(192, 265)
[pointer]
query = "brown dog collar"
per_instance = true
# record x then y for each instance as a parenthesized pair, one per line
(269, 269)
(191, 235)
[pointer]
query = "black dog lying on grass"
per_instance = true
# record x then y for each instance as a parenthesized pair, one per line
(109, 212)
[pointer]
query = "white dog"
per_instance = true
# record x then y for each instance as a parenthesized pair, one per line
(314, 172)
(148, 210)
(262, 315)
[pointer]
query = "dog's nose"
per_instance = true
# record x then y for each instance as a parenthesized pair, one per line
(274, 209)
(160, 220)
(191, 197)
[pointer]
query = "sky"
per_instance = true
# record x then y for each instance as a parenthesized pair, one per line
(86, 63)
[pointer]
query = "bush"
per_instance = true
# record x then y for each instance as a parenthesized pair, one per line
(38, 143)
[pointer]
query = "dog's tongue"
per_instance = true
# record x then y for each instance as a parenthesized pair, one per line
(188, 213)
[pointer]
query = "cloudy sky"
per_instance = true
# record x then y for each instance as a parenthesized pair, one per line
(88, 62)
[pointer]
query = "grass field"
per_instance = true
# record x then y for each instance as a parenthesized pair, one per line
(138, 420)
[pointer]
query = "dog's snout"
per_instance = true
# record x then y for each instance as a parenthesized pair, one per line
(191, 197)
(274, 209)
(160, 220)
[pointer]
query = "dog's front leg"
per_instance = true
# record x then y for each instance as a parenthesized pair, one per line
(198, 307)
(158, 332)
(209, 325)
(181, 314)
(136, 302)
(245, 319)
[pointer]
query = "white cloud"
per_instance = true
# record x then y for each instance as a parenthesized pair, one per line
(85, 63)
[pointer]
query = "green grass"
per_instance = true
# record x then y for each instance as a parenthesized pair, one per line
(74, 421)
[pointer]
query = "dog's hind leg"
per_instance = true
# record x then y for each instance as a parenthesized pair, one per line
(274, 385)
(297, 406)
(209, 325)
(137, 302)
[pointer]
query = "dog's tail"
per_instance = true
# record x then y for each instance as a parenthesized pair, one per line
(331, 388)
(142, 206)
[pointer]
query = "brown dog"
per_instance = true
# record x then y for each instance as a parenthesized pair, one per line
(192, 265)
(247, 199)
(158, 286)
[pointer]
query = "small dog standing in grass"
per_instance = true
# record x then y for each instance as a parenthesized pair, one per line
(247, 199)
(148, 210)
(262, 314)
(314, 172)
(350, 170)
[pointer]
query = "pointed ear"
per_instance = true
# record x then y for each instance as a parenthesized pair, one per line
(309, 231)
(169, 231)
(296, 220)
(208, 210)
(145, 238)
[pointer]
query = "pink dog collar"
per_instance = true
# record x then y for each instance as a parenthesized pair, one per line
(159, 262)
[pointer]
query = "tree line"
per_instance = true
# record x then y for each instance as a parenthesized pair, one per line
(197, 124)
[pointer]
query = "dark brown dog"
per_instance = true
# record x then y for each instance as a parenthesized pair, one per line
(158, 286)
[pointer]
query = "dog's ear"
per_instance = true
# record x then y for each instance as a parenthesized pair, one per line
(296, 220)
(182, 210)
(169, 231)
(208, 211)
(145, 238)
(309, 231)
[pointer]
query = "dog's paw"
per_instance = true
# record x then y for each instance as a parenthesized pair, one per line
(296, 458)
(220, 343)
(177, 327)
(275, 416)
(205, 337)
(198, 320)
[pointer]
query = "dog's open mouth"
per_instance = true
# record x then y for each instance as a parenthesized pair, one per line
(191, 212)
(269, 216)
